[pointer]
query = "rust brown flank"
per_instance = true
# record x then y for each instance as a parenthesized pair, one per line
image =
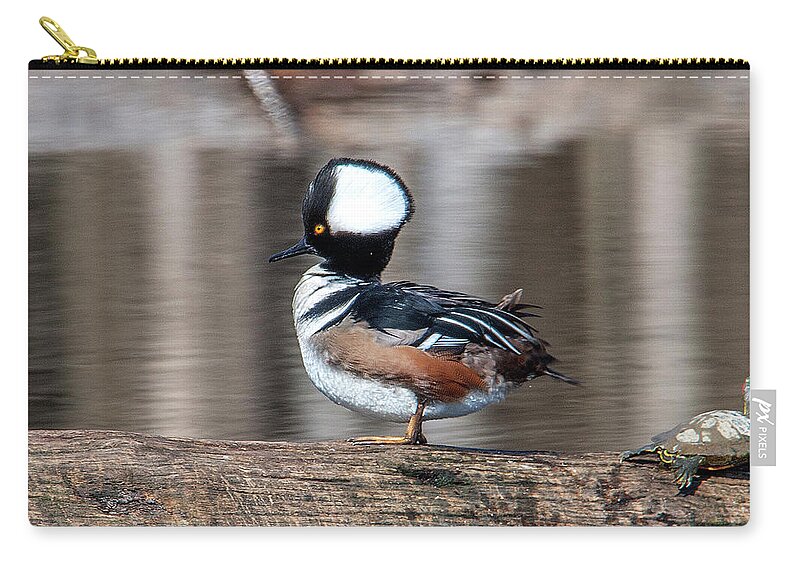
(432, 377)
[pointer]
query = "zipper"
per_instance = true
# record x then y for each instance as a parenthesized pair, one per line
(72, 52)
(80, 57)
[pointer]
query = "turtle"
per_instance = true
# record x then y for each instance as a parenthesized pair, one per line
(719, 439)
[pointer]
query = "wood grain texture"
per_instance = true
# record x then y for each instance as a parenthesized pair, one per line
(117, 478)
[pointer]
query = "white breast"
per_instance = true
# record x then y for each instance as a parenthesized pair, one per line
(314, 286)
(355, 392)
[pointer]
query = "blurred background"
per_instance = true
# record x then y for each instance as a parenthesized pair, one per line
(619, 206)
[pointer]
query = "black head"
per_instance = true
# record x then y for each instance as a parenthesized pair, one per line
(352, 213)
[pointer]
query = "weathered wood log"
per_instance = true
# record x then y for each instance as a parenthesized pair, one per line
(116, 478)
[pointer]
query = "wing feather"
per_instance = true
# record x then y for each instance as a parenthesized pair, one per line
(435, 320)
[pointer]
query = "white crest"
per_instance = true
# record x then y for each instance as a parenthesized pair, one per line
(366, 201)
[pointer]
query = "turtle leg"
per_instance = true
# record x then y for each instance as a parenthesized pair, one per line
(650, 448)
(687, 469)
(413, 434)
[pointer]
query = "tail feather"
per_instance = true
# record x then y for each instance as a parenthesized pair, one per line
(563, 377)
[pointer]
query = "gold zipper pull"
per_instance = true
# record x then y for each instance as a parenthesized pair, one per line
(72, 52)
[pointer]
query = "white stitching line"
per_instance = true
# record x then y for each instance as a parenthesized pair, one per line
(407, 77)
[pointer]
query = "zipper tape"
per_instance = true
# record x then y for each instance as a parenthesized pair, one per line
(79, 57)
(389, 63)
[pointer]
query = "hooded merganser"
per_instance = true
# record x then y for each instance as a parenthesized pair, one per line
(398, 351)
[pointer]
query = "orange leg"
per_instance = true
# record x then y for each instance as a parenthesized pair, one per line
(413, 434)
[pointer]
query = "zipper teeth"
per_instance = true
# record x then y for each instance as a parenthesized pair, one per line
(369, 62)
(454, 63)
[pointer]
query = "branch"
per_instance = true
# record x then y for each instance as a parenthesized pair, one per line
(117, 478)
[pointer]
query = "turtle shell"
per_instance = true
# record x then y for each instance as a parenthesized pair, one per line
(722, 437)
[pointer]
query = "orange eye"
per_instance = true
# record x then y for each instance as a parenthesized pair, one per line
(319, 229)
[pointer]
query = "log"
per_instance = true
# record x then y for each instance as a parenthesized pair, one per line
(114, 478)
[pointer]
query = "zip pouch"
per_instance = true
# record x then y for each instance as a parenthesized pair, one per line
(503, 292)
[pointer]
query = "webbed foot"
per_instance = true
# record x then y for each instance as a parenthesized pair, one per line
(687, 470)
(387, 440)
(413, 434)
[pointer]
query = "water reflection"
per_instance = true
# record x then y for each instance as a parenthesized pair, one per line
(621, 208)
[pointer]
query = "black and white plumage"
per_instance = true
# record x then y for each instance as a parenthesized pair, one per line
(448, 320)
(399, 350)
